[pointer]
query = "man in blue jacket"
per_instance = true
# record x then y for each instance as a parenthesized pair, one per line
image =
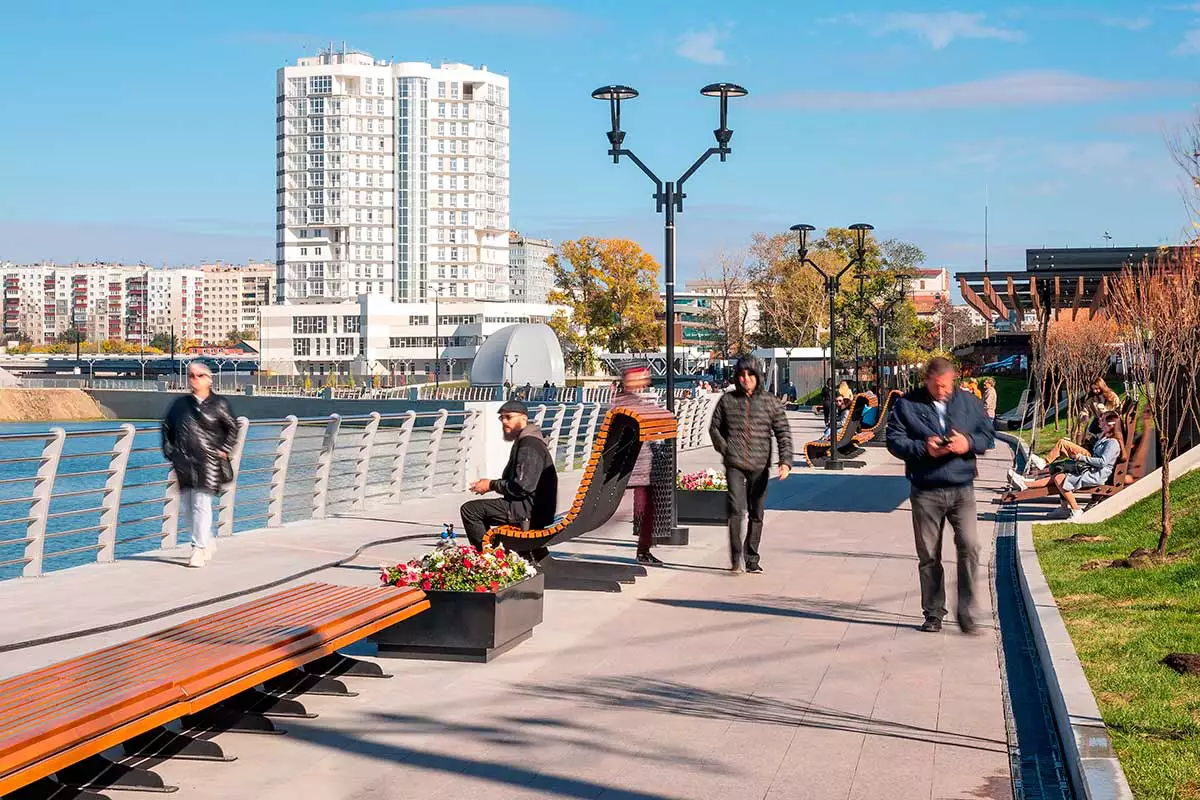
(938, 432)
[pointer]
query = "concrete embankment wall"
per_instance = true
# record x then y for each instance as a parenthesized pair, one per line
(48, 405)
(122, 404)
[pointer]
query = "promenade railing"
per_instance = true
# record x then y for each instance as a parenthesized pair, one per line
(99, 493)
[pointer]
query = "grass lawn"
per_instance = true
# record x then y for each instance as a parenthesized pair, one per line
(1123, 622)
(1008, 391)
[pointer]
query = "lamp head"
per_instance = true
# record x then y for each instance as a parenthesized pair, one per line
(803, 229)
(860, 234)
(724, 91)
(614, 95)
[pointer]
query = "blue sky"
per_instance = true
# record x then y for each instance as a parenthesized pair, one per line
(137, 130)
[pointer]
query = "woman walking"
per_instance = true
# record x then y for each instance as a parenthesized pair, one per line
(198, 434)
(634, 381)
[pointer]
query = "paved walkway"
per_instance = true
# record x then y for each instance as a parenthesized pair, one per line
(809, 681)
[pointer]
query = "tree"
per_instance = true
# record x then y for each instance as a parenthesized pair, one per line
(791, 296)
(70, 336)
(610, 287)
(236, 336)
(162, 341)
(1156, 306)
(728, 309)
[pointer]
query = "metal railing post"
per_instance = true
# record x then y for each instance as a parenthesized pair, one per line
(593, 423)
(362, 462)
(410, 419)
(279, 470)
(556, 432)
(466, 445)
(325, 466)
(43, 488)
(170, 522)
(435, 444)
(573, 437)
(110, 505)
(539, 416)
(229, 491)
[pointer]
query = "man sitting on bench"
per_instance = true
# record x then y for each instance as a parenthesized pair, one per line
(528, 488)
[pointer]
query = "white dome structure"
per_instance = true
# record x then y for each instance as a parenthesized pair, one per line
(519, 354)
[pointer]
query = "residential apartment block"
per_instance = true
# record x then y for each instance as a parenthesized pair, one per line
(392, 180)
(530, 274)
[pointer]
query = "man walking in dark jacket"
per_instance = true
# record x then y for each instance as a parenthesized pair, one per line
(528, 488)
(743, 425)
(938, 432)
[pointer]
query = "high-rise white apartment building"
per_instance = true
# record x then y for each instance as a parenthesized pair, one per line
(392, 180)
(530, 275)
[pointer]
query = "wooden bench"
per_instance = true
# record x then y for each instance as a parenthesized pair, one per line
(605, 478)
(873, 432)
(819, 450)
(55, 722)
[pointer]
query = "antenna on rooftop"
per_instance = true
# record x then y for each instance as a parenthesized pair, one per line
(986, 200)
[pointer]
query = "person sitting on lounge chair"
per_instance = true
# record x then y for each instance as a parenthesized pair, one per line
(1082, 471)
(842, 404)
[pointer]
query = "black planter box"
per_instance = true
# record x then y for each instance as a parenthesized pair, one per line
(701, 508)
(467, 626)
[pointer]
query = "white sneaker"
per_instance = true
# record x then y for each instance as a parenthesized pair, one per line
(1017, 480)
(1075, 515)
(1037, 461)
(197, 560)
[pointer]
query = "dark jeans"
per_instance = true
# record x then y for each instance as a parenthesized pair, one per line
(931, 510)
(747, 496)
(643, 517)
(480, 516)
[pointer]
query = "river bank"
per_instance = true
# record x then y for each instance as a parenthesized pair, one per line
(48, 405)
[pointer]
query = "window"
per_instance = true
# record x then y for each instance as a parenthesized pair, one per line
(303, 251)
(441, 112)
(345, 346)
(302, 347)
(309, 324)
(321, 84)
(415, 320)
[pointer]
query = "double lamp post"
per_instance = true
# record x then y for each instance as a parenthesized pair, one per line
(668, 199)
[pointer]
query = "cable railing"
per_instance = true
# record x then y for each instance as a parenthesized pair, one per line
(100, 493)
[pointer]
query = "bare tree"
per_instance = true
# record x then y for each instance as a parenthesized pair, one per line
(729, 309)
(1156, 305)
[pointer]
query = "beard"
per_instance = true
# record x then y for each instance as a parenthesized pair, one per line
(511, 436)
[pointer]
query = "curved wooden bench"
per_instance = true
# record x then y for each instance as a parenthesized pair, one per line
(54, 718)
(865, 435)
(605, 478)
(819, 450)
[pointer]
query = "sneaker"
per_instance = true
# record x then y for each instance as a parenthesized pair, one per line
(736, 568)
(648, 558)
(931, 625)
(754, 568)
(1037, 461)
(1075, 515)
(967, 625)
(197, 560)
(1017, 480)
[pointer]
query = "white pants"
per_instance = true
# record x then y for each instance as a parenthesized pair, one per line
(195, 506)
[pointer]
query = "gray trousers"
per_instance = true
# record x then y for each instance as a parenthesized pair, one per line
(931, 510)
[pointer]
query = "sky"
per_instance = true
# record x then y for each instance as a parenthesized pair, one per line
(146, 131)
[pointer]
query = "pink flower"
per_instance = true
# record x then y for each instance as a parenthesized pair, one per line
(481, 588)
(426, 585)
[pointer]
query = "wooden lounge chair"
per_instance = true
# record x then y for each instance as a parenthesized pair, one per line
(56, 722)
(873, 433)
(605, 479)
(818, 451)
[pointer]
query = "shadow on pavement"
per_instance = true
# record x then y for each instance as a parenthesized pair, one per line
(826, 610)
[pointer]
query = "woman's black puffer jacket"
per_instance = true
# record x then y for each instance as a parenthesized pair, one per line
(197, 437)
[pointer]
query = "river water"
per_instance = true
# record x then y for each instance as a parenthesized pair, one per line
(71, 534)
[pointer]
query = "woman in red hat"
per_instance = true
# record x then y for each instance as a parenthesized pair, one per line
(634, 381)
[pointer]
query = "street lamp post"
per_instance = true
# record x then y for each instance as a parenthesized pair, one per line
(832, 281)
(437, 345)
(881, 312)
(668, 199)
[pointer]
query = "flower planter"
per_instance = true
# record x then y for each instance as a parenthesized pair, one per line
(701, 507)
(467, 626)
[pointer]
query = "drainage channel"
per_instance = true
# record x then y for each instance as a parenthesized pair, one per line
(1035, 750)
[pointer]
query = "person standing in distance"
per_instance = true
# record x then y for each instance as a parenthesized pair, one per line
(198, 434)
(743, 425)
(938, 432)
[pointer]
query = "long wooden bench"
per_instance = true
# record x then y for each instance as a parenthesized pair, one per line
(605, 478)
(872, 432)
(818, 450)
(53, 719)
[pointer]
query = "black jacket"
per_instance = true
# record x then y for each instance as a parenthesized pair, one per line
(743, 426)
(914, 420)
(529, 482)
(195, 434)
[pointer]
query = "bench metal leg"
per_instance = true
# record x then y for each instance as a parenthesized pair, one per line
(269, 705)
(50, 789)
(339, 666)
(164, 743)
(224, 719)
(97, 772)
(297, 683)
(591, 570)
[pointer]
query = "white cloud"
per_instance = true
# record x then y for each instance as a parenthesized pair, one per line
(1013, 90)
(938, 28)
(703, 47)
(1190, 45)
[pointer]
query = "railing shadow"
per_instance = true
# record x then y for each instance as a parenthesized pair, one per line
(796, 607)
